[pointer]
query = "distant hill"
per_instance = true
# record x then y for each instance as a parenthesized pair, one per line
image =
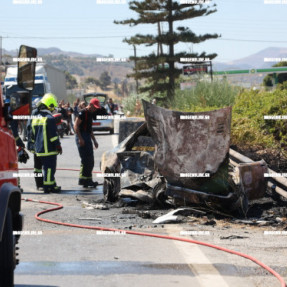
(80, 65)
(56, 52)
(53, 51)
(253, 61)
(86, 65)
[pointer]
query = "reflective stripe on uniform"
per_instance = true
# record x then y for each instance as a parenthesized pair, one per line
(84, 177)
(81, 174)
(42, 122)
(49, 182)
(54, 139)
(47, 154)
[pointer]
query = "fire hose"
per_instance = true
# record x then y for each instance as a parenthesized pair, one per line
(60, 206)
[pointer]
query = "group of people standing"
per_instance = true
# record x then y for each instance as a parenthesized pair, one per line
(69, 113)
(44, 143)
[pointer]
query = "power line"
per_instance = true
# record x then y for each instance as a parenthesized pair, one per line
(108, 37)
(59, 37)
(244, 40)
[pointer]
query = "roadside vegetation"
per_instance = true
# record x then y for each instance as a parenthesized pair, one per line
(130, 104)
(205, 96)
(249, 128)
(250, 132)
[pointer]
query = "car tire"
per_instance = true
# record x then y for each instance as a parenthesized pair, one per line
(7, 253)
(112, 131)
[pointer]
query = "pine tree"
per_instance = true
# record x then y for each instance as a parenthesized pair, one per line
(152, 67)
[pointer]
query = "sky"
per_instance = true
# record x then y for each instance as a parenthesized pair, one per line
(85, 26)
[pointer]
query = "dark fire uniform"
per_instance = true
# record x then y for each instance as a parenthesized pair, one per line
(46, 147)
(86, 152)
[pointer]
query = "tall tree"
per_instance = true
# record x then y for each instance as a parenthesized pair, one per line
(105, 80)
(93, 81)
(71, 81)
(152, 67)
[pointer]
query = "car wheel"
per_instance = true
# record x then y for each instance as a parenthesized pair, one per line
(7, 253)
(112, 131)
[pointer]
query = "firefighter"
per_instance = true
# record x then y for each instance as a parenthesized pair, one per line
(43, 134)
(38, 175)
(84, 138)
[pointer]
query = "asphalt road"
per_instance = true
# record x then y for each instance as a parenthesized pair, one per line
(65, 256)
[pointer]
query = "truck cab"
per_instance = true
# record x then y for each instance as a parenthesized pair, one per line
(41, 83)
(11, 220)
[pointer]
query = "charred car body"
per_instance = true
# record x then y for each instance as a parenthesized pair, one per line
(184, 156)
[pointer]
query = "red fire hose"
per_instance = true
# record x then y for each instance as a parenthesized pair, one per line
(60, 206)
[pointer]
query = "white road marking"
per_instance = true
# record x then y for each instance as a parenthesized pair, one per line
(200, 265)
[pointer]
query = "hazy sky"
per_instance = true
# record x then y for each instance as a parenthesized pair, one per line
(246, 26)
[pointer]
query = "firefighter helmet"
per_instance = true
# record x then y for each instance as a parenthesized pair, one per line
(50, 101)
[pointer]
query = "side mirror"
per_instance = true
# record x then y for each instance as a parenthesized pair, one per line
(20, 102)
(26, 67)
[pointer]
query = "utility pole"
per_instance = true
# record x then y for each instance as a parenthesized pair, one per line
(159, 45)
(170, 92)
(135, 56)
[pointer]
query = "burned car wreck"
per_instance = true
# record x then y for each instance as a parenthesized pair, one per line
(133, 159)
(183, 157)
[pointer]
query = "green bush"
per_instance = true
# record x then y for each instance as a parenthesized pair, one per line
(249, 127)
(129, 103)
(205, 96)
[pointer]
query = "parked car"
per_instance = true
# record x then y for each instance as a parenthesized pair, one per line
(103, 119)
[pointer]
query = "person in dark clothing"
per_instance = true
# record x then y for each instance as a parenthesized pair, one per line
(70, 111)
(84, 139)
(63, 111)
(44, 141)
(76, 111)
(111, 105)
(76, 108)
(31, 147)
